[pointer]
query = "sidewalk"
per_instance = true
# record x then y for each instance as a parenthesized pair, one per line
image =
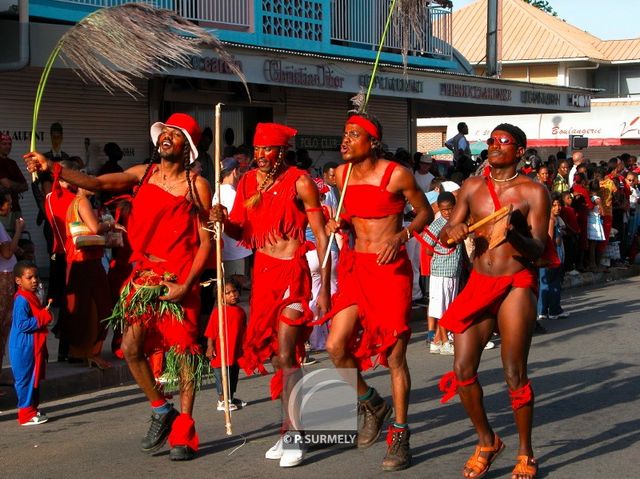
(64, 379)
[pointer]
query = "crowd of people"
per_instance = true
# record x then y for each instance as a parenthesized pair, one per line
(137, 252)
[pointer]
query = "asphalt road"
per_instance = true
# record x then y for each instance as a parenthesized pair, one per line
(587, 423)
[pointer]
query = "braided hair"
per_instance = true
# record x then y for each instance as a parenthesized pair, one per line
(193, 192)
(254, 200)
(155, 158)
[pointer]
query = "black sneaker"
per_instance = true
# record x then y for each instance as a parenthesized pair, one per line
(539, 328)
(181, 453)
(158, 430)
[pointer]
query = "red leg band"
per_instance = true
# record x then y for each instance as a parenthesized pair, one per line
(521, 397)
(449, 385)
(183, 432)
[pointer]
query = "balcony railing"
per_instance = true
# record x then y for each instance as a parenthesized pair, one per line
(350, 28)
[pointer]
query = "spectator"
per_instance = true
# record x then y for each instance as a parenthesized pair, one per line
(235, 321)
(28, 343)
(446, 268)
(459, 144)
(560, 182)
(583, 205)
(329, 176)
(550, 276)
(8, 248)
(632, 231)
(12, 180)
(571, 235)
(578, 159)
(596, 233)
(114, 155)
(423, 175)
(87, 289)
(542, 176)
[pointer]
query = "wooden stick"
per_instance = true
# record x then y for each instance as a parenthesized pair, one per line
(332, 237)
(505, 210)
(219, 279)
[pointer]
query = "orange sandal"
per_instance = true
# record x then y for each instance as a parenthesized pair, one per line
(526, 466)
(479, 465)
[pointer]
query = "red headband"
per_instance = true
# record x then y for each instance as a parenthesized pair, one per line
(368, 125)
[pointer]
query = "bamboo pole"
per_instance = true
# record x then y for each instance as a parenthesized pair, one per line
(219, 278)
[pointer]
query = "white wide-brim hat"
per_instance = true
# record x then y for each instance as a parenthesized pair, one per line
(187, 125)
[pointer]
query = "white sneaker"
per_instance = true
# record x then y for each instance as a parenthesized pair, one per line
(293, 454)
(542, 316)
(434, 348)
(276, 450)
(447, 349)
(574, 272)
(239, 403)
(490, 345)
(232, 406)
(39, 418)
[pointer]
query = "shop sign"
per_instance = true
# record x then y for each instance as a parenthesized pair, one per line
(23, 135)
(581, 101)
(213, 65)
(392, 84)
(326, 143)
(475, 92)
(539, 97)
(319, 76)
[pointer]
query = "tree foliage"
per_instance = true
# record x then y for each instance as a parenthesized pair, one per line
(543, 5)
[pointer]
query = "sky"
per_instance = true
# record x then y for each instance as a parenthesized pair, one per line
(615, 20)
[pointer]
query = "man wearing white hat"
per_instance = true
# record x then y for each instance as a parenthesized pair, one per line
(423, 174)
(169, 206)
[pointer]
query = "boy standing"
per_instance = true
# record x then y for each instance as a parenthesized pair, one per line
(446, 267)
(235, 320)
(28, 343)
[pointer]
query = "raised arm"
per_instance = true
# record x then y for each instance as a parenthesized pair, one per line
(110, 182)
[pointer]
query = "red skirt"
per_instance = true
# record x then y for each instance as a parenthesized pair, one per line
(383, 296)
(484, 294)
(276, 284)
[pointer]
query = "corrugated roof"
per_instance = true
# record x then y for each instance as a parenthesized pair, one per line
(528, 34)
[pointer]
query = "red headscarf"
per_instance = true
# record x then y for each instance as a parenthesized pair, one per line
(368, 125)
(273, 134)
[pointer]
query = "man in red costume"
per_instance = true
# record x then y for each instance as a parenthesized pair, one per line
(273, 205)
(370, 314)
(500, 294)
(169, 206)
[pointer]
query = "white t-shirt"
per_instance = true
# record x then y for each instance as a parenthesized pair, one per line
(232, 250)
(424, 181)
(6, 265)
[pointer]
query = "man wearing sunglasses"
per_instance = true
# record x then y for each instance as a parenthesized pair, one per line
(501, 294)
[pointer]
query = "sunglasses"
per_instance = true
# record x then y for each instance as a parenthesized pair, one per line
(503, 140)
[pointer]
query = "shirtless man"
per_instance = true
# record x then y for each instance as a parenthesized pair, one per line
(374, 282)
(501, 293)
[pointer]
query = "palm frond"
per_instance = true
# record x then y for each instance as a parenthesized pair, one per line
(113, 45)
(359, 102)
(408, 23)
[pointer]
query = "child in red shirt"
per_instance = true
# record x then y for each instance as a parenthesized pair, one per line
(235, 320)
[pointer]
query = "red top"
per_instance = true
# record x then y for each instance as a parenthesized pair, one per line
(568, 215)
(369, 201)
(236, 320)
(279, 214)
(75, 254)
(164, 226)
(56, 205)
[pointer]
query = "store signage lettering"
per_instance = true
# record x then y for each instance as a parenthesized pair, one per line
(475, 92)
(23, 135)
(326, 143)
(558, 130)
(392, 84)
(213, 65)
(581, 101)
(539, 97)
(320, 76)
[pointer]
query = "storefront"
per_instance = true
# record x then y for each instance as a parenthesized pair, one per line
(611, 127)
